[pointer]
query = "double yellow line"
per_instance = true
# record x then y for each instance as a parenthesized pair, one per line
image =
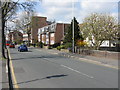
(12, 72)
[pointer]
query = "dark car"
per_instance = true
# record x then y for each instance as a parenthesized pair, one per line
(12, 45)
(22, 48)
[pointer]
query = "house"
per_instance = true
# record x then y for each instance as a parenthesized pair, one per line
(15, 36)
(53, 33)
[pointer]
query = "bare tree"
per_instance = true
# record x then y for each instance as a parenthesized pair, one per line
(0, 31)
(98, 28)
(24, 24)
(7, 11)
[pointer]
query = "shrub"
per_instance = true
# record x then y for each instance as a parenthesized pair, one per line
(56, 45)
(40, 44)
(62, 46)
(50, 47)
(58, 48)
(68, 45)
(44, 44)
(81, 43)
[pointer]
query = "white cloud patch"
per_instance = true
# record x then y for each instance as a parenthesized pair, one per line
(62, 10)
(58, 10)
(92, 6)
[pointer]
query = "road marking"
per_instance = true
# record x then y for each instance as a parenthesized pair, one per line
(12, 71)
(73, 70)
(89, 61)
(77, 71)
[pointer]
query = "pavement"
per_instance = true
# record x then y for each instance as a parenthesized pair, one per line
(0, 74)
(40, 68)
(3, 74)
(113, 63)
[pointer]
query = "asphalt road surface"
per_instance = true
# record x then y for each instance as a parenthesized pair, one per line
(39, 68)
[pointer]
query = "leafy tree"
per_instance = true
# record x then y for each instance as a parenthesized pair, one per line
(69, 32)
(99, 27)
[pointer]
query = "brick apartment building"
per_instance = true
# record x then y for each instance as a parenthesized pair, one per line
(15, 36)
(52, 34)
(37, 22)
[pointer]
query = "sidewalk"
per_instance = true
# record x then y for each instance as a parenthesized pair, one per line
(3, 74)
(91, 59)
(0, 74)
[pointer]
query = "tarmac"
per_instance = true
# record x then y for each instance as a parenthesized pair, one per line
(112, 63)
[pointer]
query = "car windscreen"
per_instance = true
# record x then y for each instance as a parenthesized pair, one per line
(23, 46)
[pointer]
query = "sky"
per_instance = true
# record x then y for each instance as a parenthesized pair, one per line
(63, 11)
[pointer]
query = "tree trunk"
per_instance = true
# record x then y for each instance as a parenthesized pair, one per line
(0, 31)
(28, 39)
(3, 35)
(3, 41)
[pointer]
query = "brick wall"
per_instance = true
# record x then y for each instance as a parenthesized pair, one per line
(37, 22)
(101, 54)
(59, 34)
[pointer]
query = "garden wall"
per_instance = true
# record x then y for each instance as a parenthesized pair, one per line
(98, 53)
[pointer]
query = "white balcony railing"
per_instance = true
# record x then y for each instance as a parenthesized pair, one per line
(49, 28)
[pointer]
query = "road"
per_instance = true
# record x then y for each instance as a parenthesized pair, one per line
(41, 68)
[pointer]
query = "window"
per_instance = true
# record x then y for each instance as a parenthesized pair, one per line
(52, 42)
(42, 36)
(52, 34)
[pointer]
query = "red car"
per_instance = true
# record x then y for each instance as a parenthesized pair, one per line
(12, 46)
(8, 43)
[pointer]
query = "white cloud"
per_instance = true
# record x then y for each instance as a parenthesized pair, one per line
(92, 6)
(60, 10)
(98, 6)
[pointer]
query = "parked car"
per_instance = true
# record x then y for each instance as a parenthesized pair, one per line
(12, 45)
(8, 43)
(22, 48)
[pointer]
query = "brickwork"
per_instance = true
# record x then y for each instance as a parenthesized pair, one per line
(54, 33)
(15, 36)
(37, 22)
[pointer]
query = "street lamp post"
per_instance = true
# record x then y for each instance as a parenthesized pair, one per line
(73, 41)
